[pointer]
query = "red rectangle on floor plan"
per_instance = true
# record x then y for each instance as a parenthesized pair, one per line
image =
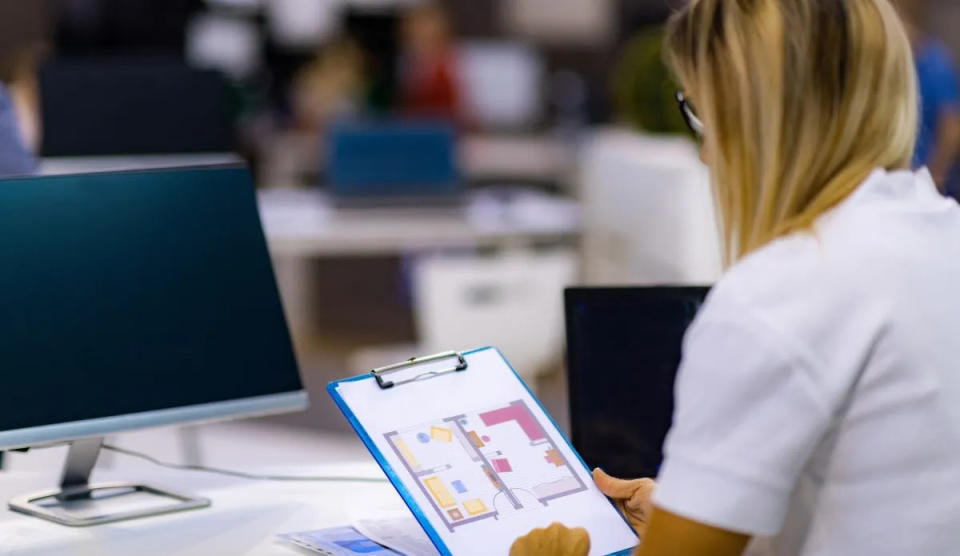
(501, 465)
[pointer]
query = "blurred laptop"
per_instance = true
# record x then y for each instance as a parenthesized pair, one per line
(623, 351)
(393, 163)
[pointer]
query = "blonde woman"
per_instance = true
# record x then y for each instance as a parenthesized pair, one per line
(818, 403)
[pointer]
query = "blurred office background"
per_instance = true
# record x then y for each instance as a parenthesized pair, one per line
(431, 175)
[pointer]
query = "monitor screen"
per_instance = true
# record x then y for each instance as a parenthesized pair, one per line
(138, 105)
(623, 353)
(133, 292)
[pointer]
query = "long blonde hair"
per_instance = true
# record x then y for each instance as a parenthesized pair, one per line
(801, 99)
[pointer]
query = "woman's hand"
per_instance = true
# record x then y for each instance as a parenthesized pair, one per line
(633, 498)
(555, 540)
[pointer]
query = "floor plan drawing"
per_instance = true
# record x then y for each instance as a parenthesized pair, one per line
(482, 464)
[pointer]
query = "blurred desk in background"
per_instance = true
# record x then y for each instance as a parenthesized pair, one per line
(324, 262)
(305, 223)
(531, 158)
(346, 274)
(52, 166)
(490, 158)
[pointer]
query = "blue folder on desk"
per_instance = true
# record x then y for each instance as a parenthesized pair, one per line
(474, 455)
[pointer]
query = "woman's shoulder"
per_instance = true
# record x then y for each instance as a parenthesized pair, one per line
(880, 239)
(788, 305)
(788, 267)
(830, 293)
(798, 287)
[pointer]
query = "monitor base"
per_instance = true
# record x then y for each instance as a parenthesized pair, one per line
(78, 504)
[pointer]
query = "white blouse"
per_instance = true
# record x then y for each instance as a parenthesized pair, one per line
(818, 402)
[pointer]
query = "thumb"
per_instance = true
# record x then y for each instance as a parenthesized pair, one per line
(617, 489)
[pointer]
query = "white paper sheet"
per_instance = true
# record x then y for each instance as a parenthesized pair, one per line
(402, 534)
(481, 460)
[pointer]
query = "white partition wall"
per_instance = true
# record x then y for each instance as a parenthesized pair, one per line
(648, 214)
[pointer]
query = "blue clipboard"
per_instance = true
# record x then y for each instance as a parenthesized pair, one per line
(380, 376)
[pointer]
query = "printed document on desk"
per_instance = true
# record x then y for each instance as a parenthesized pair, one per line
(338, 541)
(475, 456)
(402, 534)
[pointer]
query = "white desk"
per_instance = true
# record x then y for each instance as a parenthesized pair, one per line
(245, 515)
(243, 520)
(304, 223)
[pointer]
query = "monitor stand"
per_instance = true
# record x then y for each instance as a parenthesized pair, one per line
(79, 504)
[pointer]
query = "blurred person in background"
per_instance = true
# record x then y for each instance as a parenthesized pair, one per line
(818, 399)
(343, 81)
(329, 87)
(938, 141)
(427, 65)
(23, 29)
(19, 113)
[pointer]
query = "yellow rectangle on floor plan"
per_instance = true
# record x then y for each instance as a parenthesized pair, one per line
(406, 453)
(440, 492)
(474, 506)
(441, 434)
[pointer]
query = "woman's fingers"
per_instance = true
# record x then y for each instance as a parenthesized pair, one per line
(555, 540)
(642, 496)
(620, 489)
(579, 541)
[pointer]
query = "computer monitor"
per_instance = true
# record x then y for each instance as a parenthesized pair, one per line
(372, 162)
(105, 106)
(133, 300)
(623, 351)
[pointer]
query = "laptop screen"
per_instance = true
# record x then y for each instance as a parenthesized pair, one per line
(392, 159)
(623, 351)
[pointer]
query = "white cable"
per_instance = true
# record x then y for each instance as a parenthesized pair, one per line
(240, 474)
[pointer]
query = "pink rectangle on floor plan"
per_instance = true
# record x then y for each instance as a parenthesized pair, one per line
(501, 465)
(515, 412)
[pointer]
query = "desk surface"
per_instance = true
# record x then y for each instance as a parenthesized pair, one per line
(52, 166)
(245, 515)
(304, 222)
(243, 520)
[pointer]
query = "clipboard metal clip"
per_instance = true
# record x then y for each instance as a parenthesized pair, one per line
(461, 365)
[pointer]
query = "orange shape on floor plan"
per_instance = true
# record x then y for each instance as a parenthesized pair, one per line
(475, 439)
(555, 458)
